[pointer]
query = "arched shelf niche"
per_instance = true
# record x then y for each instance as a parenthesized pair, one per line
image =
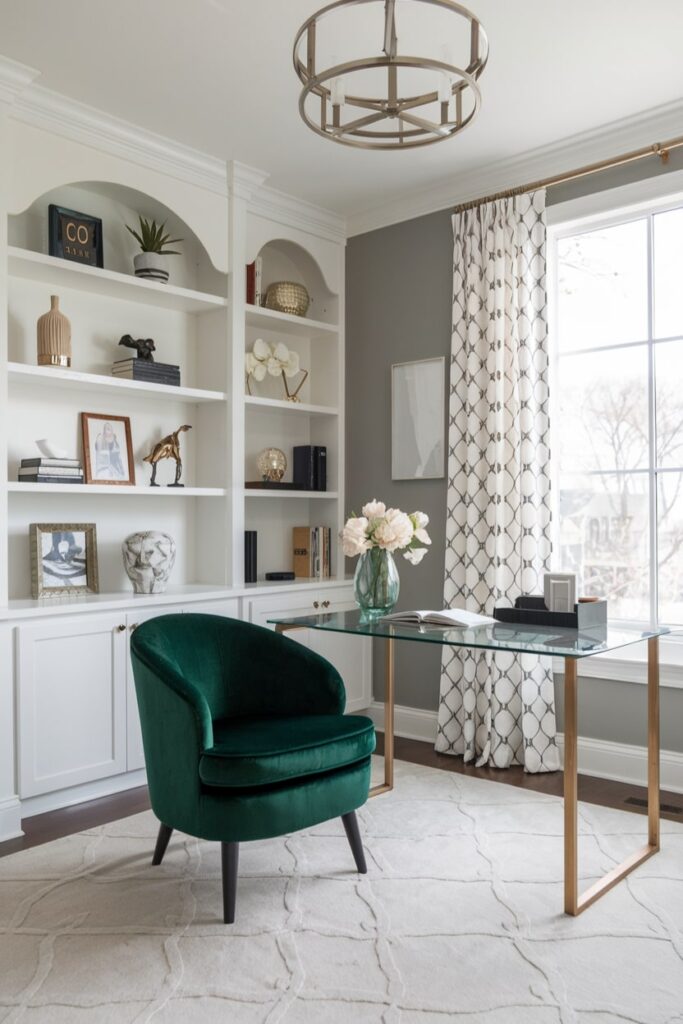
(117, 206)
(284, 260)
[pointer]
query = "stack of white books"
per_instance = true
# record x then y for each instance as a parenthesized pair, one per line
(51, 471)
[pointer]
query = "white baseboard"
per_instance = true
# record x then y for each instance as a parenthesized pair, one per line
(625, 762)
(10, 818)
(411, 723)
(79, 794)
(603, 759)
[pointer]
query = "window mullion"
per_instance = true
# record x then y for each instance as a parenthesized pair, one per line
(652, 428)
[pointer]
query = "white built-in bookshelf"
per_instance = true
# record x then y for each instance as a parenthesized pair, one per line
(200, 321)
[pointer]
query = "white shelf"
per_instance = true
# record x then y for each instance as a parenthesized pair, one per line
(116, 490)
(54, 273)
(70, 605)
(252, 402)
(258, 492)
(286, 323)
(74, 380)
(182, 593)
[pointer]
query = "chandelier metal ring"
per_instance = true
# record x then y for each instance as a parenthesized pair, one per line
(414, 128)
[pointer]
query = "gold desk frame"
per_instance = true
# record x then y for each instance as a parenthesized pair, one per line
(574, 904)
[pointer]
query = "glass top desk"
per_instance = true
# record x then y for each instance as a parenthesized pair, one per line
(570, 644)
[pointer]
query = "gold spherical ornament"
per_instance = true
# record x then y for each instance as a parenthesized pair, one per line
(271, 464)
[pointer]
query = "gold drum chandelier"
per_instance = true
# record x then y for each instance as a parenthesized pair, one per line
(393, 115)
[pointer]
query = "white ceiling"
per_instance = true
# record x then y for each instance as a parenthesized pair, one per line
(217, 75)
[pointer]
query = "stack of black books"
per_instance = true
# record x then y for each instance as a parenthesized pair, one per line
(310, 467)
(50, 471)
(147, 370)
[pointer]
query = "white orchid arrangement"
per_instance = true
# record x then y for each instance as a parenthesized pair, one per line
(389, 529)
(272, 359)
(276, 360)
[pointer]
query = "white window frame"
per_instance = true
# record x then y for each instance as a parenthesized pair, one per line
(585, 213)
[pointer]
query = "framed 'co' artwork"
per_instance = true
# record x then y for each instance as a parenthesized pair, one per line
(75, 236)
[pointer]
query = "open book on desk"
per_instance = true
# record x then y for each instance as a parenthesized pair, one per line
(448, 617)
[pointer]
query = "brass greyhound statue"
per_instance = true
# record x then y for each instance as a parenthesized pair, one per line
(167, 448)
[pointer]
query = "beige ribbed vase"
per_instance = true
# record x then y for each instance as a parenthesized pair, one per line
(54, 337)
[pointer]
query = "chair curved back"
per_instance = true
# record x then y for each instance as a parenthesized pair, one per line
(239, 669)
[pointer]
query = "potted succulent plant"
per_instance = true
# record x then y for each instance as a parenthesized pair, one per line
(153, 242)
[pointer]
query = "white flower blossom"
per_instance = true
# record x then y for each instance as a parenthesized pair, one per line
(394, 532)
(374, 509)
(355, 538)
(415, 555)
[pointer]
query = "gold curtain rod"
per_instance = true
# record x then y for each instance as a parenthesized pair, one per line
(660, 149)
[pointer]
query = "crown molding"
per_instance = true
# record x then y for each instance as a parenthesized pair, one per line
(601, 143)
(14, 78)
(78, 122)
(243, 180)
(298, 213)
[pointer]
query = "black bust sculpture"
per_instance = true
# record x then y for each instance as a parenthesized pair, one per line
(143, 346)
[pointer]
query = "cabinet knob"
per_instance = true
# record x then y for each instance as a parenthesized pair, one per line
(134, 626)
(316, 604)
(121, 628)
(326, 604)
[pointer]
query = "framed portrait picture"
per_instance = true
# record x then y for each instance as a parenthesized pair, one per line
(63, 559)
(107, 449)
(418, 419)
(75, 236)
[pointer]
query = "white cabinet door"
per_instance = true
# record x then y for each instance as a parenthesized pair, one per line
(350, 655)
(135, 757)
(230, 607)
(71, 681)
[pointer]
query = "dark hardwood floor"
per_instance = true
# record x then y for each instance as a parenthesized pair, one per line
(42, 828)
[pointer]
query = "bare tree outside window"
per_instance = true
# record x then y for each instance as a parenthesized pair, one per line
(617, 461)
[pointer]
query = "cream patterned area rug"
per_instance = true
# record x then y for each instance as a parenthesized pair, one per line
(459, 919)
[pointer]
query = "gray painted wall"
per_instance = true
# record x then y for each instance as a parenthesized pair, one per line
(398, 304)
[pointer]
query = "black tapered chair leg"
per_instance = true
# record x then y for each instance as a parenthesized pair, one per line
(163, 839)
(230, 855)
(355, 842)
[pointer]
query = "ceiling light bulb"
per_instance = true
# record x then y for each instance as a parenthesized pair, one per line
(444, 88)
(338, 92)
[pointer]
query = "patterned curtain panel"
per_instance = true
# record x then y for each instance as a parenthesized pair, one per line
(498, 709)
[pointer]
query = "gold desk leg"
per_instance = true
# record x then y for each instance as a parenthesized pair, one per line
(653, 745)
(571, 863)
(574, 904)
(388, 783)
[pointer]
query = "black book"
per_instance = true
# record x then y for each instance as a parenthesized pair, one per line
(303, 471)
(44, 478)
(320, 468)
(250, 538)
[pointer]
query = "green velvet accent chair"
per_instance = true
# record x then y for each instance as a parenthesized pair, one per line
(245, 736)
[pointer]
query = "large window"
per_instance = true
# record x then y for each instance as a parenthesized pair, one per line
(618, 411)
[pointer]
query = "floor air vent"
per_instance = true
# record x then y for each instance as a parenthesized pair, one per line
(638, 801)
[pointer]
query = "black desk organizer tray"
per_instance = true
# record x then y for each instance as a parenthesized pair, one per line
(531, 610)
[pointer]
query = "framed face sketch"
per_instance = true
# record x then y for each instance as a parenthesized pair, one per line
(418, 394)
(107, 449)
(63, 559)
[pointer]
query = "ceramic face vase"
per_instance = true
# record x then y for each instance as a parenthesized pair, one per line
(148, 559)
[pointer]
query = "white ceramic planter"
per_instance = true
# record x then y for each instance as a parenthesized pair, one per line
(151, 265)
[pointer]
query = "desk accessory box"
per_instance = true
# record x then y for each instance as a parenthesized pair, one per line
(531, 610)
